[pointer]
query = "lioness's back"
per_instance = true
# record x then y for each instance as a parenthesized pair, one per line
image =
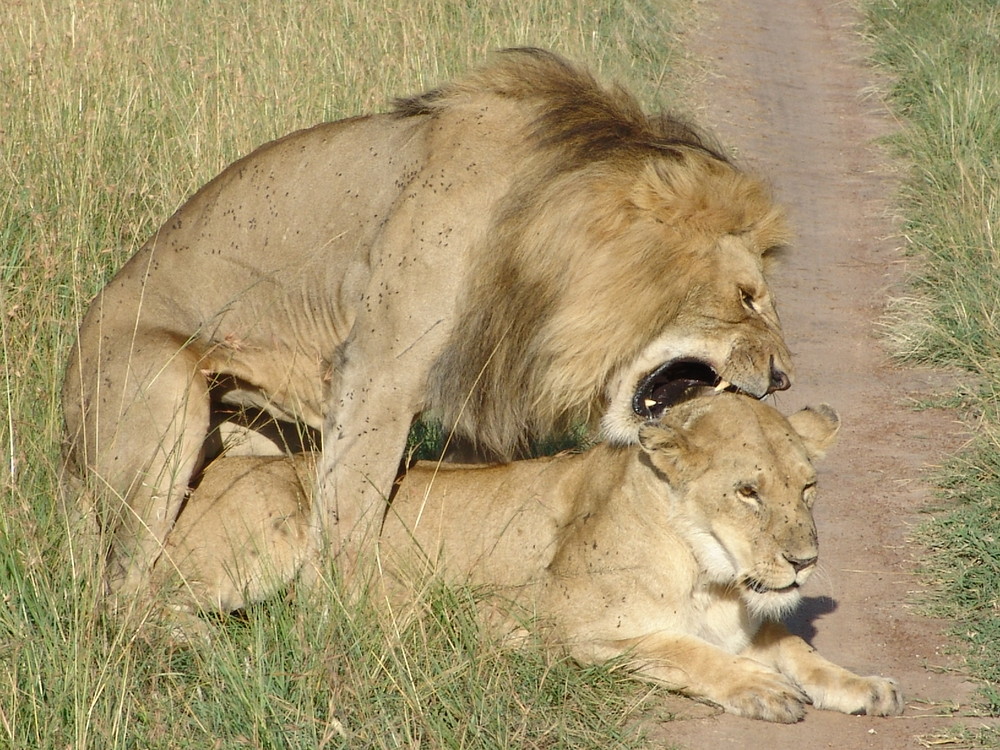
(489, 525)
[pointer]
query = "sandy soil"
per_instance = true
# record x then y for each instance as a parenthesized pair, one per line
(786, 90)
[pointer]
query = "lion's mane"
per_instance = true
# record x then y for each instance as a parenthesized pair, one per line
(565, 249)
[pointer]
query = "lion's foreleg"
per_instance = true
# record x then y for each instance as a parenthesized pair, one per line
(355, 477)
(380, 379)
(827, 685)
(363, 446)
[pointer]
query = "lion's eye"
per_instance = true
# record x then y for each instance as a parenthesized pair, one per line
(748, 494)
(748, 300)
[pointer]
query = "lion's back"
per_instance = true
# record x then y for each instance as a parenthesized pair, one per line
(288, 217)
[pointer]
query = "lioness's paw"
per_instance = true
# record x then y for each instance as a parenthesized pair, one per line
(872, 696)
(766, 695)
(884, 697)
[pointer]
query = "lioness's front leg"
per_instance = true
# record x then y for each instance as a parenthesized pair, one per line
(696, 668)
(827, 685)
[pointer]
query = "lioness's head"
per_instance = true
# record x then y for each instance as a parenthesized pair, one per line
(743, 488)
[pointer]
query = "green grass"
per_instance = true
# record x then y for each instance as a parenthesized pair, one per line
(943, 59)
(110, 115)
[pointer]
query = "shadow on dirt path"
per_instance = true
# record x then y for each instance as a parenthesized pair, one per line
(785, 88)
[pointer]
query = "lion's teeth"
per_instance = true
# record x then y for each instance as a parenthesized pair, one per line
(722, 385)
(650, 403)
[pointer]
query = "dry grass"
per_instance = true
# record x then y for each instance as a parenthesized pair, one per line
(110, 114)
(942, 59)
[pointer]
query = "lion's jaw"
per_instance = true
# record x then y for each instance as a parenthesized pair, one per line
(679, 365)
(726, 335)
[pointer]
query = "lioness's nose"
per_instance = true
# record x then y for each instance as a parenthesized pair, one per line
(779, 379)
(801, 563)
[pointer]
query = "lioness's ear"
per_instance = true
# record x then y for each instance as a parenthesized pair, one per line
(818, 427)
(663, 440)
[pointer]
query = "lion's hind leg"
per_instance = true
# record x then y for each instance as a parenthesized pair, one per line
(137, 426)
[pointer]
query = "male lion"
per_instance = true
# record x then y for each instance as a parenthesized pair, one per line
(513, 252)
(680, 554)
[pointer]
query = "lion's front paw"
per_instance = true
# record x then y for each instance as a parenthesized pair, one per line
(764, 694)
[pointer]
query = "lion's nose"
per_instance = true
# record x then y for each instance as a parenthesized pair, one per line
(801, 563)
(779, 379)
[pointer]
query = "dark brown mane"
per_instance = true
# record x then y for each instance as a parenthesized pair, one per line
(578, 116)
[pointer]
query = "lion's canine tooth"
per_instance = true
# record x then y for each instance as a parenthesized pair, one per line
(650, 403)
(722, 385)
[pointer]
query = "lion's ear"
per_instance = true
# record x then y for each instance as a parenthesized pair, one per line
(818, 427)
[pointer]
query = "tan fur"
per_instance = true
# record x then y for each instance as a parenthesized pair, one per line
(680, 555)
(513, 252)
(244, 536)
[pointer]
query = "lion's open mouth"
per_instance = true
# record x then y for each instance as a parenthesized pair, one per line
(673, 382)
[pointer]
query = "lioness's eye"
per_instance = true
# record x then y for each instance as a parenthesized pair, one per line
(748, 300)
(748, 494)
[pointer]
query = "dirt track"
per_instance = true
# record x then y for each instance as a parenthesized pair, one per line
(786, 90)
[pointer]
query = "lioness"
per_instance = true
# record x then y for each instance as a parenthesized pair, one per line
(682, 553)
(512, 252)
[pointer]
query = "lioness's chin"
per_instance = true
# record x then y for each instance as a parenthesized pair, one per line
(771, 604)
